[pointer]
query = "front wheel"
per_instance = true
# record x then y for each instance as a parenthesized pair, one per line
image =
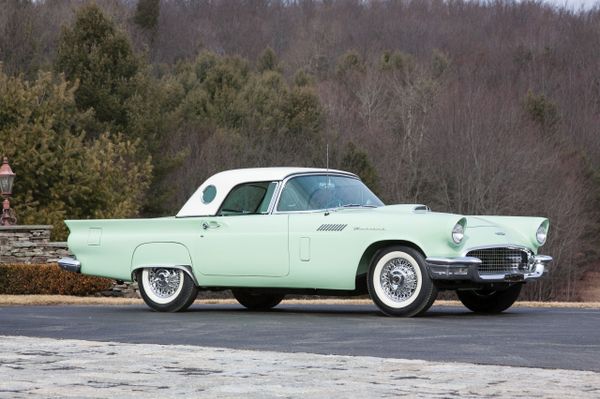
(489, 301)
(399, 284)
(256, 300)
(166, 289)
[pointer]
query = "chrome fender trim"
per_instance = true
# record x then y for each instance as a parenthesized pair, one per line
(186, 268)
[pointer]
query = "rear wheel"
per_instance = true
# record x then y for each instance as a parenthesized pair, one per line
(166, 289)
(257, 300)
(489, 301)
(399, 284)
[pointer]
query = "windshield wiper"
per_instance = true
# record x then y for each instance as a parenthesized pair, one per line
(358, 205)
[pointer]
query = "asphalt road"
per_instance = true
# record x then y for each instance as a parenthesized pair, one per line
(532, 337)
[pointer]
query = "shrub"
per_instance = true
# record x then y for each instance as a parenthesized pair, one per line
(23, 279)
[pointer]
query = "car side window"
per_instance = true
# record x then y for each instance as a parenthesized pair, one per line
(248, 199)
(306, 193)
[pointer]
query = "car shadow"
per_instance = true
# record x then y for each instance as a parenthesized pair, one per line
(435, 312)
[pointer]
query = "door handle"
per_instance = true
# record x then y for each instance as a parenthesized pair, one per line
(210, 225)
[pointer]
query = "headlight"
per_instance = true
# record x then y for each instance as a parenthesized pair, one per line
(458, 233)
(541, 234)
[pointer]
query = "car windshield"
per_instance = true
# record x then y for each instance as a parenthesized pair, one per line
(316, 192)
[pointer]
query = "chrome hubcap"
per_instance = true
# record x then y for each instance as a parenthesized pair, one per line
(164, 282)
(398, 279)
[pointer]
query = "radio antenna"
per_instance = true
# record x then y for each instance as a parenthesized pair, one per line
(327, 181)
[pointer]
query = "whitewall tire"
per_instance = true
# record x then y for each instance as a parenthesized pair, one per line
(398, 282)
(166, 289)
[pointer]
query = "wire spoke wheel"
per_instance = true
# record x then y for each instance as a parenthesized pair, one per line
(166, 289)
(398, 279)
(164, 283)
(398, 282)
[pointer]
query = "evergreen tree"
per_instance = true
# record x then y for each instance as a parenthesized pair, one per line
(268, 61)
(146, 14)
(60, 174)
(98, 55)
(357, 161)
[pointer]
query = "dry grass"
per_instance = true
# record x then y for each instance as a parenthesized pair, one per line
(590, 286)
(16, 300)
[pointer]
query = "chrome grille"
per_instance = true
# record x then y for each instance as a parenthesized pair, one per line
(501, 260)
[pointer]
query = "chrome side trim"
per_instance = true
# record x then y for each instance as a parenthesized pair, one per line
(187, 269)
(70, 264)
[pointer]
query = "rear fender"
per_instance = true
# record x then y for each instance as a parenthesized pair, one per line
(162, 254)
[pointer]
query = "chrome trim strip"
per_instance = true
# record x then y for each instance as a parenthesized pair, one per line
(458, 261)
(274, 197)
(70, 264)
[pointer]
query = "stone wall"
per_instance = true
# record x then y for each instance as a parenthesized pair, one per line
(29, 244)
(32, 245)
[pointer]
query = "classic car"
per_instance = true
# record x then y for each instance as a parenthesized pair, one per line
(267, 232)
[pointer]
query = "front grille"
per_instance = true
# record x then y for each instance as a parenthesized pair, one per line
(501, 260)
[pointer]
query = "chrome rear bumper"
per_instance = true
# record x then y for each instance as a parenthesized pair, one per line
(70, 264)
(466, 268)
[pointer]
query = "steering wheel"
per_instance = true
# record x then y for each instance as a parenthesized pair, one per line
(331, 200)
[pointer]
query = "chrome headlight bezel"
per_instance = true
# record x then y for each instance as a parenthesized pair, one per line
(541, 235)
(458, 233)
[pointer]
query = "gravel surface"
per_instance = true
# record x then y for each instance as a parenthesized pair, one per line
(45, 368)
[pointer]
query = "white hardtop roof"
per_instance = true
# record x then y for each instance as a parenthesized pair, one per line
(225, 181)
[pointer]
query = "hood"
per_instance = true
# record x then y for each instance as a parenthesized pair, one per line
(477, 221)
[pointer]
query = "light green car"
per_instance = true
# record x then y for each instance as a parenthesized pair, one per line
(268, 232)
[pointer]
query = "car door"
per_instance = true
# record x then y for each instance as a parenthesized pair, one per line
(324, 251)
(244, 239)
(324, 248)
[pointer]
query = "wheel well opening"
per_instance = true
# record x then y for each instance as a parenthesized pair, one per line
(365, 260)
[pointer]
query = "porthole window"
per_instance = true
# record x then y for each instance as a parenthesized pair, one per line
(209, 194)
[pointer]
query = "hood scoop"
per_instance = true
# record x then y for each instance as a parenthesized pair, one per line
(404, 208)
(421, 208)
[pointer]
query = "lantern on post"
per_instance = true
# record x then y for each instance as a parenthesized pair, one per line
(7, 178)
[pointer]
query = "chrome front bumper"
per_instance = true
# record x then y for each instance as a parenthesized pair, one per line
(467, 268)
(70, 264)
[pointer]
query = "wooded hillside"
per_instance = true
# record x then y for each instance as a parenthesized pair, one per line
(119, 108)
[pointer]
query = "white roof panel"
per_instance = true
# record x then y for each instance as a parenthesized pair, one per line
(225, 181)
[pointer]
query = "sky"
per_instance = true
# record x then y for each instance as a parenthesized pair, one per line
(574, 4)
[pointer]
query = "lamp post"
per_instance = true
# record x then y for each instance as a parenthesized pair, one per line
(7, 177)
